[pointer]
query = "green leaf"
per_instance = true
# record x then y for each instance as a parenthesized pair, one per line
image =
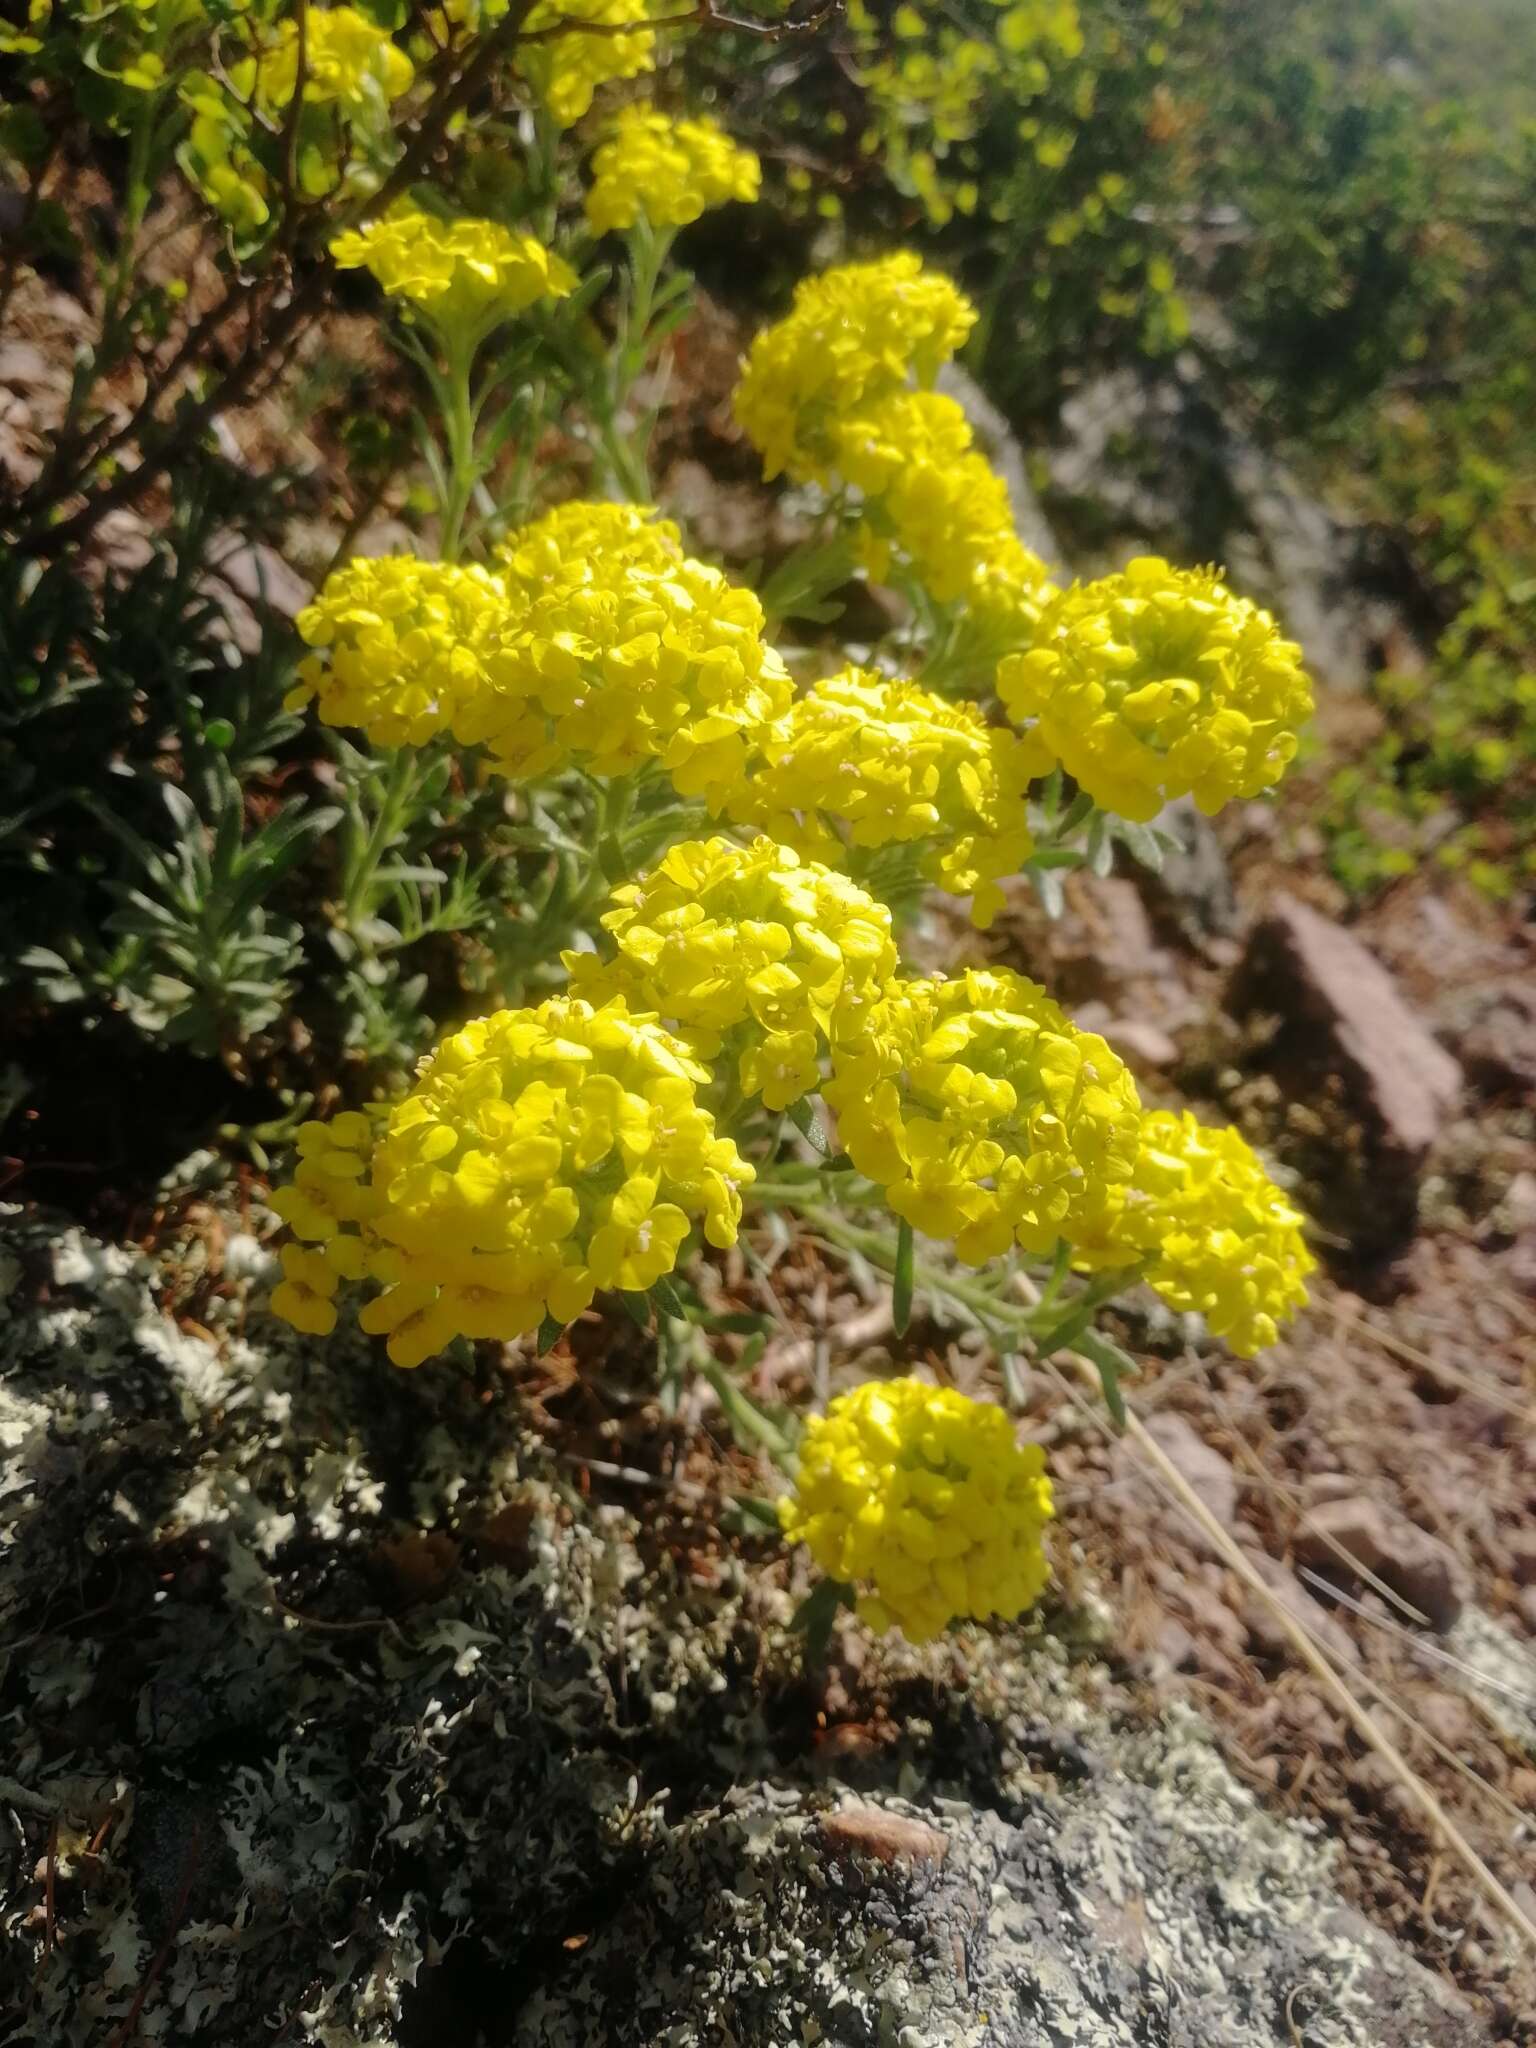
(814, 1617)
(751, 1424)
(638, 1308)
(551, 1330)
(1142, 844)
(1113, 1364)
(745, 1514)
(802, 1115)
(1048, 888)
(901, 1281)
(669, 1300)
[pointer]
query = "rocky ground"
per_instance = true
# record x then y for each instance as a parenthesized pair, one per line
(341, 1707)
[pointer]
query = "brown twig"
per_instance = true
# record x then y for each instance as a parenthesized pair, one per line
(50, 1872)
(43, 537)
(704, 15)
(162, 1955)
(296, 104)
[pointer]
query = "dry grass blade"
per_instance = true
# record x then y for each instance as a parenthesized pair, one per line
(1428, 1651)
(1472, 1383)
(1255, 1465)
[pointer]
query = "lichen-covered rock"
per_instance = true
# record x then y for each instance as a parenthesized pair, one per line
(331, 1714)
(1148, 1903)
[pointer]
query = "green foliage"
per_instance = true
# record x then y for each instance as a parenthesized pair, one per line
(1033, 142)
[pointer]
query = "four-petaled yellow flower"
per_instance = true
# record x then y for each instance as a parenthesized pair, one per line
(984, 1113)
(610, 664)
(1219, 1237)
(935, 503)
(465, 275)
(667, 171)
(1158, 683)
(839, 390)
(891, 764)
(923, 1500)
(759, 958)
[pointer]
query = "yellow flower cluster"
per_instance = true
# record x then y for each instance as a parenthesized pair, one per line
(937, 501)
(923, 1500)
(1157, 683)
(1221, 1238)
(566, 70)
(541, 1155)
(895, 765)
(403, 646)
(839, 389)
(611, 665)
(349, 62)
(600, 655)
(854, 336)
(465, 274)
(669, 171)
(330, 1203)
(984, 1113)
(627, 536)
(754, 954)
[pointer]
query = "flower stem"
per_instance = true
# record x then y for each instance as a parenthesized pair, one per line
(459, 436)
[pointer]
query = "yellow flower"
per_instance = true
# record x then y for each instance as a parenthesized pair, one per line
(853, 336)
(752, 953)
(542, 1154)
(330, 1193)
(894, 764)
(349, 62)
(401, 646)
(669, 171)
(1158, 683)
(466, 274)
(304, 1296)
(567, 70)
(1221, 1238)
(620, 664)
(631, 536)
(923, 1500)
(984, 1112)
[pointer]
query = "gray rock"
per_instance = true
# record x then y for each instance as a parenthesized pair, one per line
(1002, 449)
(1147, 1904)
(1166, 467)
(1264, 1630)
(1343, 1026)
(1140, 1042)
(1495, 1033)
(1417, 1566)
(1194, 885)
